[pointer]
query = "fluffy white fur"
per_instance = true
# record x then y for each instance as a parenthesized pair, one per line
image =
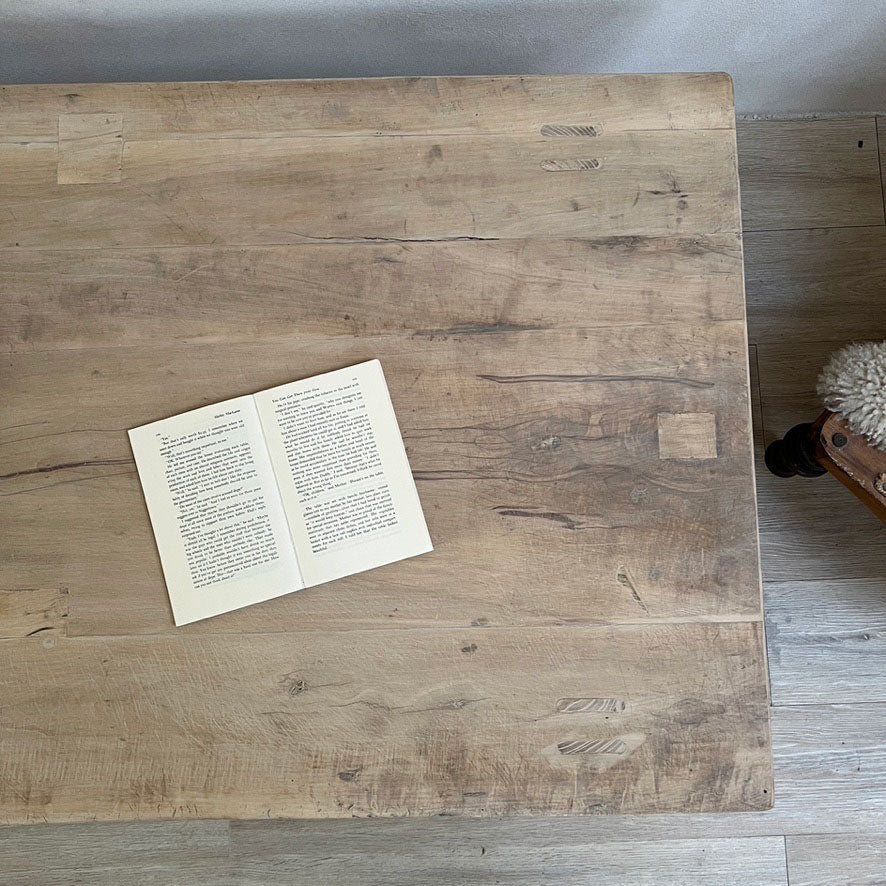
(853, 384)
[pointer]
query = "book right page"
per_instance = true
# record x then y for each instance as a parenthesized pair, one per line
(342, 471)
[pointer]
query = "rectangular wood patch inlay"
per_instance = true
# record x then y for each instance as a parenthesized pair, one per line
(90, 148)
(687, 435)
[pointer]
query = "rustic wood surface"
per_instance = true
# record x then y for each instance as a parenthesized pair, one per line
(825, 638)
(827, 174)
(842, 621)
(827, 860)
(550, 271)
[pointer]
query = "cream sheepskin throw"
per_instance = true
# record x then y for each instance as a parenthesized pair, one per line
(853, 385)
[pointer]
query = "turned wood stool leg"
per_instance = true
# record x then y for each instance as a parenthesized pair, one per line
(795, 454)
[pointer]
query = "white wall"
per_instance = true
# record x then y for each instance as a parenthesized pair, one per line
(793, 56)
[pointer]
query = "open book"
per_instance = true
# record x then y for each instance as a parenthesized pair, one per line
(262, 495)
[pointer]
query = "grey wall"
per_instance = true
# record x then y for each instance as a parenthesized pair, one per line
(794, 56)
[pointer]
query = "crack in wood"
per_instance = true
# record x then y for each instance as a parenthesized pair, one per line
(590, 379)
(455, 238)
(453, 474)
(64, 466)
(553, 516)
(39, 630)
(482, 329)
(65, 482)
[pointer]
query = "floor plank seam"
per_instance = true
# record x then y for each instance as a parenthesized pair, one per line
(880, 163)
(751, 117)
(811, 228)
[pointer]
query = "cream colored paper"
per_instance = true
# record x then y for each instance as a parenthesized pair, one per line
(259, 496)
(367, 500)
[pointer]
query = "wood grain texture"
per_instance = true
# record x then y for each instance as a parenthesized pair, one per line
(798, 544)
(184, 870)
(436, 289)
(291, 190)
(758, 860)
(824, 860)
(815, 286)
(382, 106)
(90, 148)
(530, 441)
(535, 313)
(239, 726)
(809, 174)
(827, 640)
(830, 764)
(30, 611)
(830, 769)
(840, 744)
(112, 844)
(268, 857)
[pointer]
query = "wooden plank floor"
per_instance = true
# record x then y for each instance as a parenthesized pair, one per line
(815, 249)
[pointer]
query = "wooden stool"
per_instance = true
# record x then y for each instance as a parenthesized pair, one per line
(827, 445)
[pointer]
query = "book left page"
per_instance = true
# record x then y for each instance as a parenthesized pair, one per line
(221, 530)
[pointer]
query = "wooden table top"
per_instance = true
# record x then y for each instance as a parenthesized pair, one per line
(550, 271)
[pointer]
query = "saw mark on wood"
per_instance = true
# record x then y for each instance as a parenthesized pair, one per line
(624, 579)
(584, 164)
(560, 129)
(590, 706)
(592, 746)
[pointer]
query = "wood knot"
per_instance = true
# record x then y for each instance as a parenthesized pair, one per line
(293, 685)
